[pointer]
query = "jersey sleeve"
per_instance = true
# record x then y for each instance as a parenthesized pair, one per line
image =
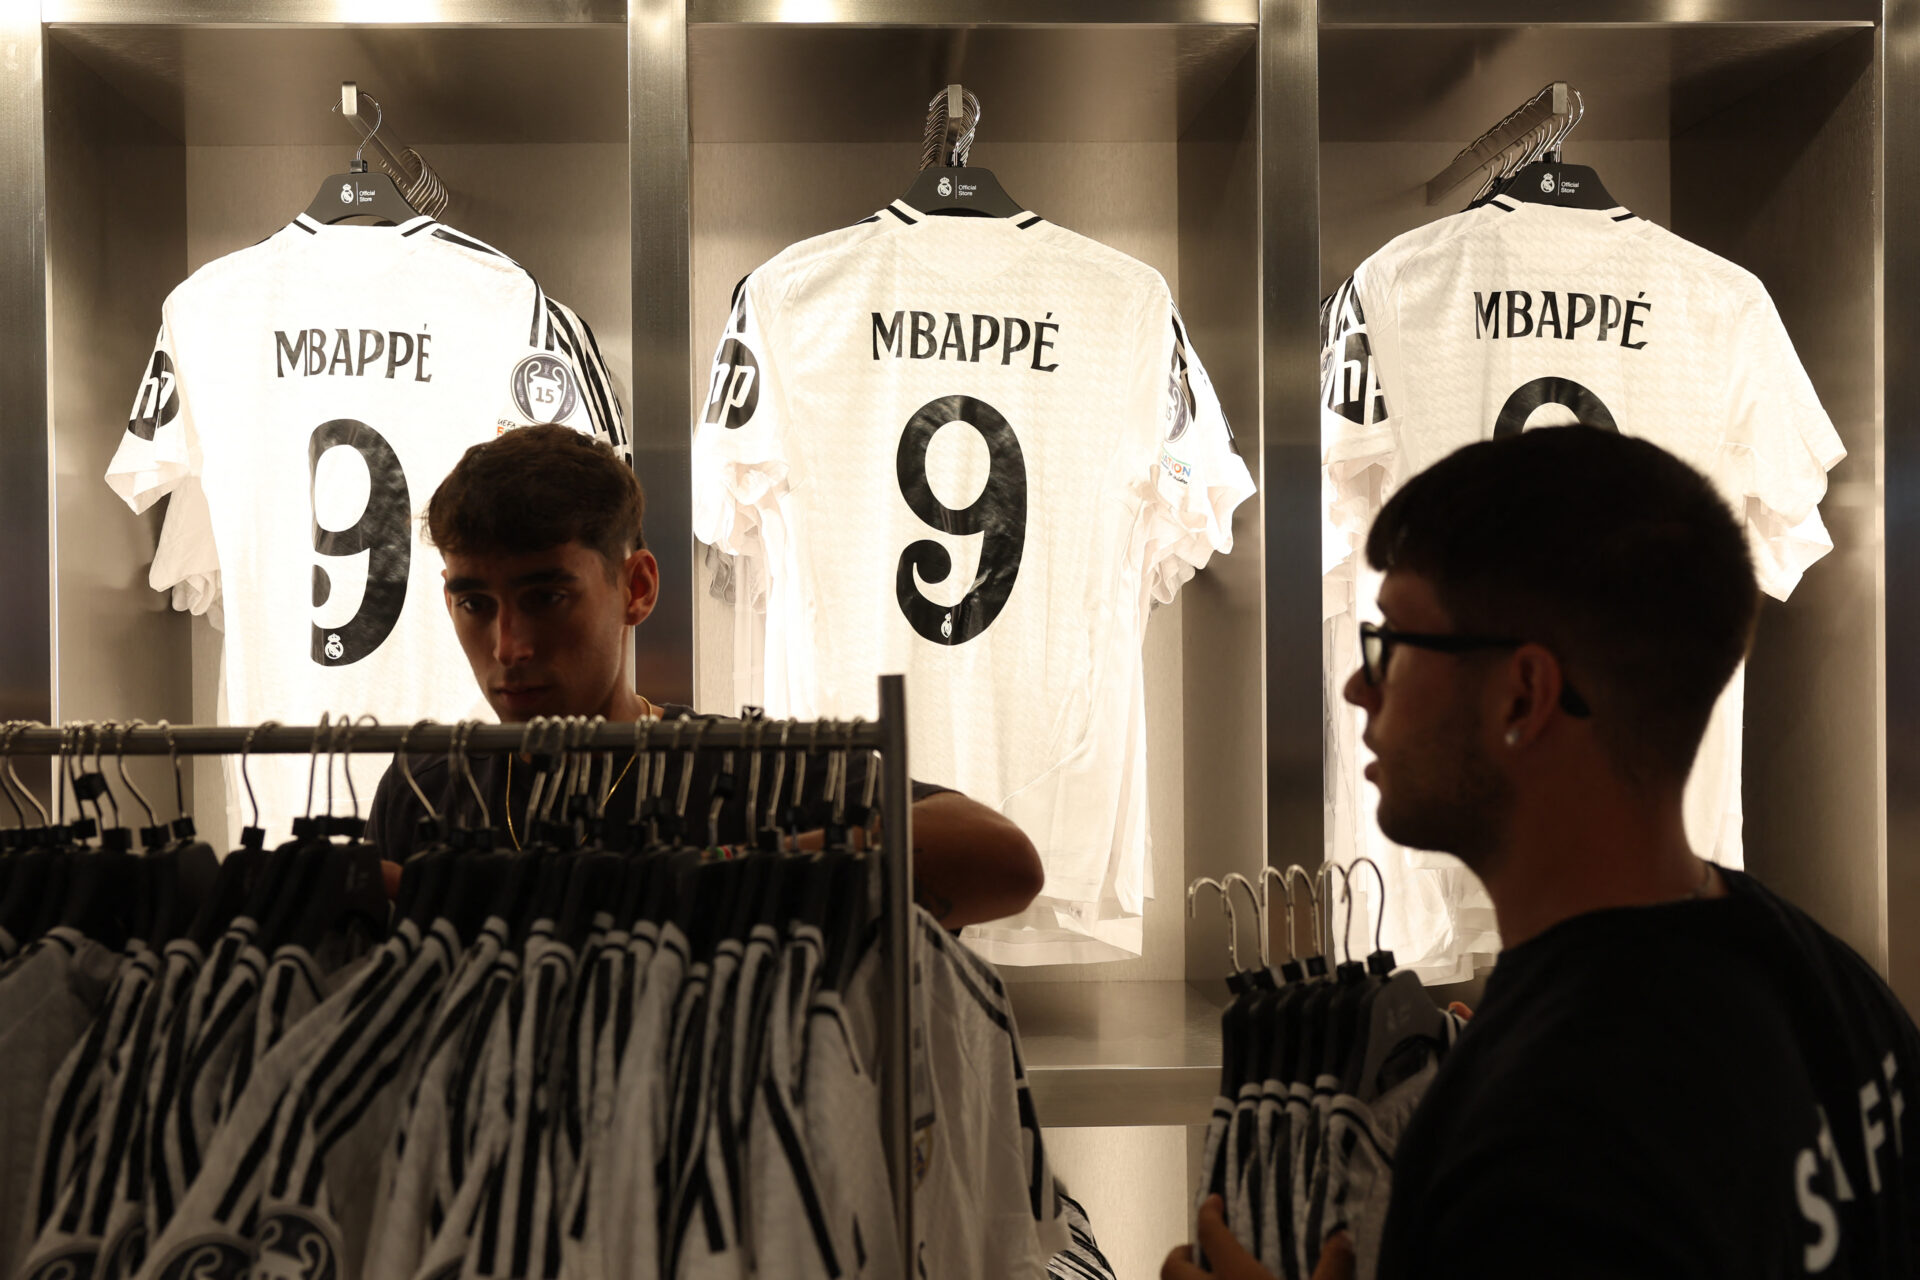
(595, 405)
(1780, 446)
(1357, 431)
(160, 446)
(739, 439)
(187, 560)
(1200, 478)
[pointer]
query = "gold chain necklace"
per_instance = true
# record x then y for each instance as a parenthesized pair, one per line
(514, 835)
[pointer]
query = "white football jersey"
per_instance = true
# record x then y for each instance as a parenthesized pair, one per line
(972, 450)
(1517, 315)
(304, 399)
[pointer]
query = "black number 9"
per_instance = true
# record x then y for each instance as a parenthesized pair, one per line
(999, 513)
(383, 531)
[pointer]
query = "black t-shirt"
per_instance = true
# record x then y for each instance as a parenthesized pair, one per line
(394, 818)
(1710, 1088)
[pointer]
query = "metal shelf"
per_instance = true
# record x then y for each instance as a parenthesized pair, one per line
(329, 13)
(973, 13)
(1584, 13)
(1120, 1054)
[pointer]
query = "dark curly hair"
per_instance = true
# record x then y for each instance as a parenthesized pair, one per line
(536, 488)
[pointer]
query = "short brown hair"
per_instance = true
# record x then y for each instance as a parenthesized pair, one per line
(537, 488)
(1617, 556)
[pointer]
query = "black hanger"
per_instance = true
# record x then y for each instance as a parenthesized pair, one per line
(179, 871)
(101, 894)
(239, 873)
(947, 184)
(965, 191)
(1548, 180)
(360, 193)
(1553, 182)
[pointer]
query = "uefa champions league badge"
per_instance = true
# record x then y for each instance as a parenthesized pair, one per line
(544, 389)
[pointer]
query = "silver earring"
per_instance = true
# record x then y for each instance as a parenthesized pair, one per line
(1513, 737)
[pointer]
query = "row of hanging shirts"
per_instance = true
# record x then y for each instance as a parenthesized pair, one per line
(607, 1052)
(1321, 1069)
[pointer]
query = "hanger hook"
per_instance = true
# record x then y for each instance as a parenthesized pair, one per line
(1226, 905)
(406, 770)
(100, 731)
(313, 757)
(1268, 875)
(779, 777)
(1234, 878)
(7, 731)
(463, 731)
(1346, 927)
(846, 767)
(686, 767)
(346, 758)
(379, 115)
(1380, 918)
(1294, 870)
(46, 819)
(245, 746)
(11, 780)
(180, 787)
(1323, 905)
(120, 762)
(333, 749)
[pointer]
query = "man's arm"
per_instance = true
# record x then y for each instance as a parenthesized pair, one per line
(971, 864)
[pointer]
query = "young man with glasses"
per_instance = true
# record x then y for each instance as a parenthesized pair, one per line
(1673, 1072)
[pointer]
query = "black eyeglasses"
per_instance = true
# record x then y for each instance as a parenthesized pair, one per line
(1376, 646)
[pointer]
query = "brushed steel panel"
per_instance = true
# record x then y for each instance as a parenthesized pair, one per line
(1224, 739)
(1447, 85)
(1783, 184)
(277, 85)
(26, 640)
(1900, 300)
(252, 13)
(974, 13)
(1586, 13)
(659, 177)
(787, 83)
(121, 652)
(1290, 428)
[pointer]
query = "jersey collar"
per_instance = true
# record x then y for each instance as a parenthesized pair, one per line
(900, 210)
(1619, 213)
(410, 227)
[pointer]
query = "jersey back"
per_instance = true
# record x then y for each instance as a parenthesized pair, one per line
(971, 450)
(304, 399)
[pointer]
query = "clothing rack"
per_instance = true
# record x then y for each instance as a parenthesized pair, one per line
(887, 735)
(1553, 105)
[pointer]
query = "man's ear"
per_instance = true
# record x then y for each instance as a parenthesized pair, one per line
(641, 573)
(1529, 695)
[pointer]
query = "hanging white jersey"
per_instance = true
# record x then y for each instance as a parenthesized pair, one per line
(1517, 315)
(305, 397)
(972, 450)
